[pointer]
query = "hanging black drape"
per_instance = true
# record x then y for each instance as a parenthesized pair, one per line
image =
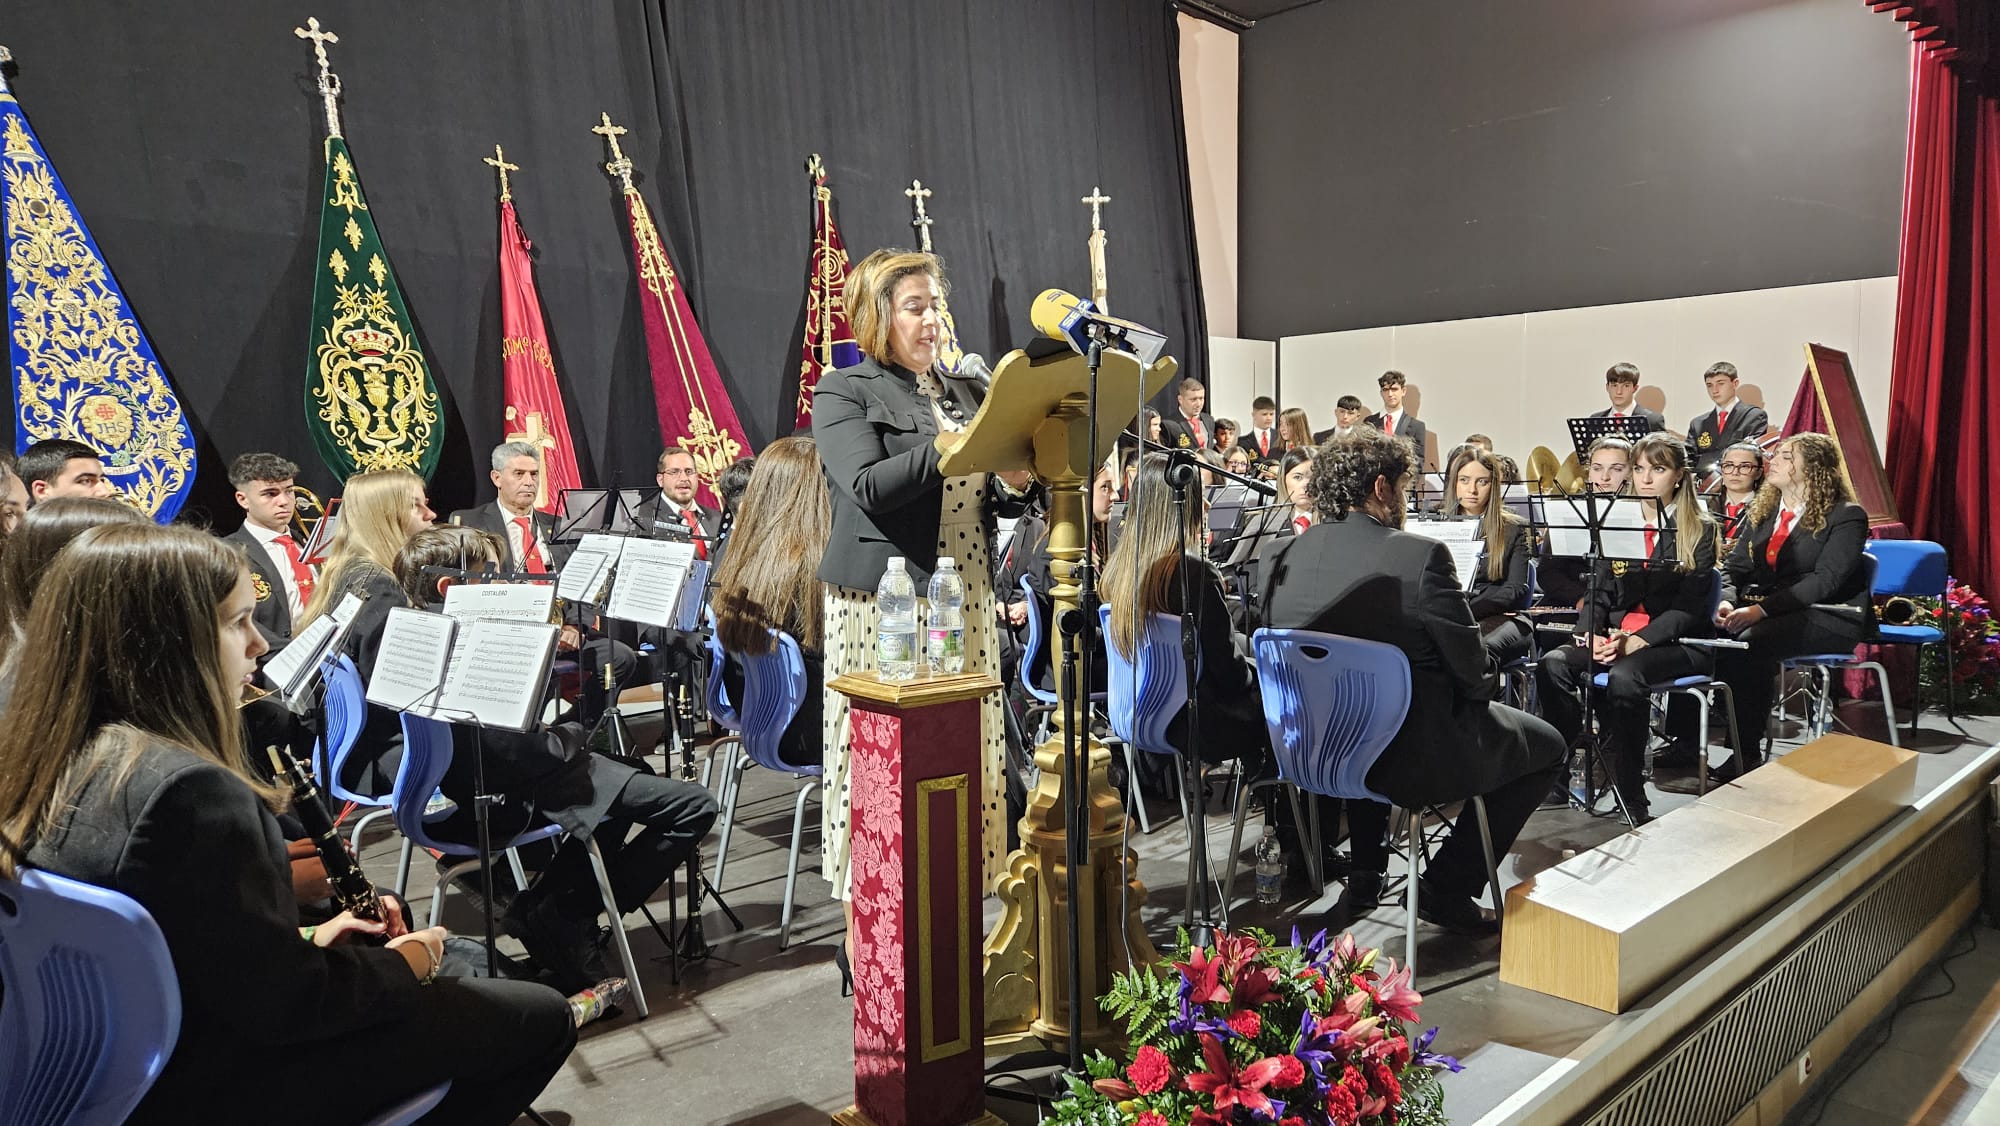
(189, 135)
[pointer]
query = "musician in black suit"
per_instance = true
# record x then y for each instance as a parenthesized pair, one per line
(1621, 385)
(1794, 583)
(283, 580)
(1260, 438)
(1637, 618)
(1731, 420)
(1189, 427)
(1393, 419)
(675, 514)
(525, 532)
(1355, 572)
(171, 814)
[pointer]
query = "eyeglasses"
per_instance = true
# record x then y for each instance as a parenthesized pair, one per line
(688, 472)
(1739, 467)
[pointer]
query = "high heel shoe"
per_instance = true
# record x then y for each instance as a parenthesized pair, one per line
(846, 971)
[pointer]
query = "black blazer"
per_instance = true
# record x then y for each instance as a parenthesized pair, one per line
(659, 519)
(1359, 578)
(1706, 443)
(490, 517)
(876, 437)
(273, 615)
(1408, 426)
(371, 767)
(197, 849)
(1815, 569)
(1174, 431)
(1248, 440)
(1654, 419)
(1490, 599)
(1677, 600)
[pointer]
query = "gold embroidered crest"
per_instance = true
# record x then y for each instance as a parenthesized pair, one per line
(1619, 567)
(261, 585)
(1706, 440)
(371, 392)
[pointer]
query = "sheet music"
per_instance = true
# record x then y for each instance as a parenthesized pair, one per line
(410, 665)
(585, 573)
(500, 672)
(287, 670)
(1621, 522)
(613, 546)
(1461, 538)
(522, 602)
(650, 576)
(343, 611)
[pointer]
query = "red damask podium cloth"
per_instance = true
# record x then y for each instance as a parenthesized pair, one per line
(919, 995)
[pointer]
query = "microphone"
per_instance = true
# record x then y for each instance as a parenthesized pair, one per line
(1061, 315)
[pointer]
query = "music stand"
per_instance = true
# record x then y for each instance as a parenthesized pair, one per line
(1584, 431)
(314, 552)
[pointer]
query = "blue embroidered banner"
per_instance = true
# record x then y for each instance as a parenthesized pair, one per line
(83, 368)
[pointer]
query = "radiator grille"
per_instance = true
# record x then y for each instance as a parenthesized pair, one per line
(1731, 1055)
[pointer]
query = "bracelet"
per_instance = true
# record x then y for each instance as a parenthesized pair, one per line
(437, 961)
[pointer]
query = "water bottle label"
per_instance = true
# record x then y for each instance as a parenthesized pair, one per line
(946, 644)
(894, 647)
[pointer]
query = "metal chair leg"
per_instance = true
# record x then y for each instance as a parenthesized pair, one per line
(1888, 704)
(1138, 791)
(1701, 756)
(403, 868)
(1735, 730)
(367, 819)
(732, 786)
(792, 863)
(1315, 867)
(1240, 815)
(514, 864)
(1416, 836)
(1492, 866)
(617, 922)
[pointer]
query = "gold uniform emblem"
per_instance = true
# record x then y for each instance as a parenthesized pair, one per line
(1706, 440)
(261, 585)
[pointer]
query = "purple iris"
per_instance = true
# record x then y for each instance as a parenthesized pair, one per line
(1316, 1050)
(1422, 1056)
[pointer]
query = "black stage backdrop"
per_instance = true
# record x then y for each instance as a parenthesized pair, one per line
(189, 135)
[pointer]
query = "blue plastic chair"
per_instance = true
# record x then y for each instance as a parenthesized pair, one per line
(427, 753)
(1913, 569)
(1141, 698)
(774, 689)
(92, 1008)
(1820, 667)
(346, 710)
(1333, 704)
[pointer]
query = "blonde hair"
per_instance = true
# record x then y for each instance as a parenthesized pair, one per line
(871, 293)
(1496, 523)
(1158, 535)
(127, 632)
(1817, 463)
(1664, 450)
(374, 509)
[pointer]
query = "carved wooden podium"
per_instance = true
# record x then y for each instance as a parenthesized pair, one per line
(1037, 416)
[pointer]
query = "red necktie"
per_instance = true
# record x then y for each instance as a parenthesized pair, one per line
(302, 575)
(1733, 511)
(694, 529)
(1721, 421)
(1263, 443)
(1194, 427)
(531, 554)
(1300, 524)
(1778, 537)
(1652, 536)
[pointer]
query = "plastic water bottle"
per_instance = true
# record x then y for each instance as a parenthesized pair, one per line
(1579, 776)
(896, 637)
(945, 638)
(1270, 866)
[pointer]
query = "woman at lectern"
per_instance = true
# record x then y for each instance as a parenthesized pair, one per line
(882, 427)
(1794, 583)
(1631, 630)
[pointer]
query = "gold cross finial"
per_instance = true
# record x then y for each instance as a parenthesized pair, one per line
(6, 56)
(499, 160)
(1096, 199)
(619, 165)
(918, 194)
(329, 82)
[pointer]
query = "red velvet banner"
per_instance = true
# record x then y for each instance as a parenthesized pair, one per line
(528, 372)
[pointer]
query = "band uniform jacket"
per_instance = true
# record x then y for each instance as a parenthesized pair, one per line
(1654, 419)
(1706, 443)
(659, 519)
(1816, 570)
(877, 440)
(195, 847)
(273, 615)
(1174, 432)
(1407, 426)
(1678, 602)
(490, 517)
(1509, 594)
(1360, 578)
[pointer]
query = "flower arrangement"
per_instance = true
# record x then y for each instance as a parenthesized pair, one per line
(1973, 678)
(1246, 1031)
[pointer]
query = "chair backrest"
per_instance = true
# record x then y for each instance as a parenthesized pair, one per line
(1332, 704)
(774, 688)
(1145, 691)
(92, 1007)
(1909, 567)
(346, 712)
(426, 756)
(715, 697)
(1034, 650)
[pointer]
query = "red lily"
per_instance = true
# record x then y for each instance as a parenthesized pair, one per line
(1393, 996)
(1236, 951)
(1254, 987)
(1231, 1086)
(1203, 976)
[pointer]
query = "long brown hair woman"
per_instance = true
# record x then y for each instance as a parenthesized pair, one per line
(1472, 486)
(123, 765)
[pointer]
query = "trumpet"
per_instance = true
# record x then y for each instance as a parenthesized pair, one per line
(304, 501)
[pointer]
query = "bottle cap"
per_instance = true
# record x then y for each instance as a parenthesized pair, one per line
(947, 563)
(895, 562)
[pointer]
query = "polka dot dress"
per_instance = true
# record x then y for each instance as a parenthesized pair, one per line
(851, 621)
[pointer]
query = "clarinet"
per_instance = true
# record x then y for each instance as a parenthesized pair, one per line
(351, 889)
(694, 945)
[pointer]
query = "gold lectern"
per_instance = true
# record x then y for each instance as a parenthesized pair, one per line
(1037, 416)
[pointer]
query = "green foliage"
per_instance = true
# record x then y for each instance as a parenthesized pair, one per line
(1423, 1100)
(1144, 999)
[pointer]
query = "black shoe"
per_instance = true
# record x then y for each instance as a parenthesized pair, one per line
(1362, 894)
(1727, 772)
(1679, 756)
(1455, 913)
(846, 971)
(565, 948)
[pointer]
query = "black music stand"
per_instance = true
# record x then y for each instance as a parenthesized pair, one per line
(1584, 431)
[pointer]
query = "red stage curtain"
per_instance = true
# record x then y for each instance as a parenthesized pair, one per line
(1942, 386)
